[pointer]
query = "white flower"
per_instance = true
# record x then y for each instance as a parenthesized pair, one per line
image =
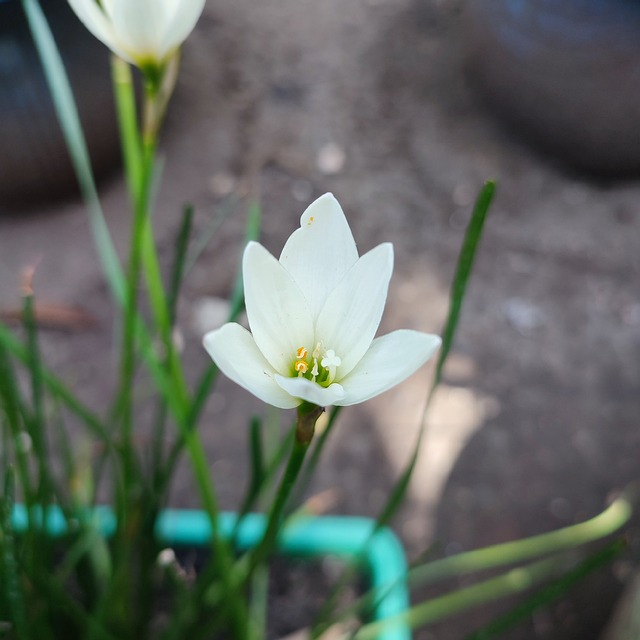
(143, 32)
(313, 317)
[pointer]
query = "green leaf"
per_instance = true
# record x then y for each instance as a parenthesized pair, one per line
(178, 270)
(463, 271)
(67, 113)
(552, 592)
(10, 567)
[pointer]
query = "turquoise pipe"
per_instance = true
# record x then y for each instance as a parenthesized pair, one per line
(348, 537)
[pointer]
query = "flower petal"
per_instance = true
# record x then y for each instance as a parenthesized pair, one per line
(319, 253)
(98, 24)
(234, 350)
(139, 25)
(183, 17)
(390, 360)
(351, 316)
(278, 312)
(311, 391)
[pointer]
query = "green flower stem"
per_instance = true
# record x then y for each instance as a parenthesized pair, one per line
(305, 425)
(129, 338)
(128, 121)
(173, 385)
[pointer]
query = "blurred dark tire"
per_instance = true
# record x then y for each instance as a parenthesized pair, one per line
(563, 74)
(34, 161)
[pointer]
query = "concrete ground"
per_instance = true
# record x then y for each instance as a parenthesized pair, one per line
(537, 421)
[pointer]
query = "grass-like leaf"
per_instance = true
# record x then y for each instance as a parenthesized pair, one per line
(12, 593)
(551, 593)
(458, 289)
(67, 113)
(463, 271)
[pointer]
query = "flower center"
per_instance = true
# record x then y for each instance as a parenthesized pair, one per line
(320, 366)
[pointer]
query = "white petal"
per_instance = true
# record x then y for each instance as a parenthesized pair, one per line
(98, 24)
(390, 360)
(311, 391)
(182, 19)
(351, 316)
(319, 253)
(277, 310)
(139, 25)
(234, 350)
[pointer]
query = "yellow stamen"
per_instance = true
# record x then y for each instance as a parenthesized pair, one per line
(302, 353)
(301, 367)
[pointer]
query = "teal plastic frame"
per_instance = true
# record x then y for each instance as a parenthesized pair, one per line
(379, 552)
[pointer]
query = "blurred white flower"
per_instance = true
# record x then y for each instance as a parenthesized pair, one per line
(143, 32)
(313, 317)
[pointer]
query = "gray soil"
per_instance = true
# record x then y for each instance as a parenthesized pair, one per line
(537, 422)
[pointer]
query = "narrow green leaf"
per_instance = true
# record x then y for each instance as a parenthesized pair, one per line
(37, 425)
(208, 378)
(259, 602)
(56, 387)
(209, 231)
(252, 232)
(11, 572)
(67, 113)
(612, 519)
(615, 516)
(550, 593)
(464, 267)
(178, 270)
(16, 415)
(510, 583)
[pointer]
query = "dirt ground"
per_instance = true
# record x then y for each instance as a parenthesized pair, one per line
(537, 422)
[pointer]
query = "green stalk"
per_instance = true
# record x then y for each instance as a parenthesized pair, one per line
(307, 416)
(170, 379)
(125, 98)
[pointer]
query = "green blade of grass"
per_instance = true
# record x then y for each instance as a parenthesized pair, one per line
(612, 519)
(208, 378)
(458, 289)
(463, 272)
(615, 516)
(67, 113)
(178, 270)
(10, 572)
(56, 387)
(205, 235)
(551, 593)
(37, 424)
(510, 583)
(16, 418)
